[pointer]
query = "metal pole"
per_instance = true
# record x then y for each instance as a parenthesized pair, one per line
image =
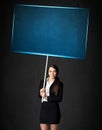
(45, 74)
(46, 65)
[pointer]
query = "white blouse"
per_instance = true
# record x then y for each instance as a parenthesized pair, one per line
(48, 85)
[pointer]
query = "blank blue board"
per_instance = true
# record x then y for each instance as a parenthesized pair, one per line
(50, 30)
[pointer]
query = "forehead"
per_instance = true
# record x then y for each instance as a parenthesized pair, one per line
(52, 69)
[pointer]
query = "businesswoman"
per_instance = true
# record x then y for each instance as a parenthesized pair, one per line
(51, 94)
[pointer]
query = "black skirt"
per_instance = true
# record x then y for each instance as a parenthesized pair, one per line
(50, 113)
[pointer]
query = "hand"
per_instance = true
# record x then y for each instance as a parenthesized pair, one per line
(43, 92)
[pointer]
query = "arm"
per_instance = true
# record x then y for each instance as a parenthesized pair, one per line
(57, 98)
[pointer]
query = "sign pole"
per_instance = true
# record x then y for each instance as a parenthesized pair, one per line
(46, 65)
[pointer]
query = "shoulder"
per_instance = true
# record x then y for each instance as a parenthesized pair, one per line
(60, 83)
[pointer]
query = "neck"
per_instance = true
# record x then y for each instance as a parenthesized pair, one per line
(50, 79)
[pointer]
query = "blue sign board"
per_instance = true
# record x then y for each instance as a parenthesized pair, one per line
(50, 30)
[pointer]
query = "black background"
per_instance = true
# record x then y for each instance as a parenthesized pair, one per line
(20, 76)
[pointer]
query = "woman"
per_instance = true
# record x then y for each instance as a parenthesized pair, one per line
(50, 96)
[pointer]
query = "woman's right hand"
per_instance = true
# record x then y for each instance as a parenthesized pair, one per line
(43, 92)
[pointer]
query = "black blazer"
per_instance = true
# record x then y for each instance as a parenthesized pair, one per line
(53, 97)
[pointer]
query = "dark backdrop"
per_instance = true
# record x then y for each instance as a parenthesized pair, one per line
(20, 76)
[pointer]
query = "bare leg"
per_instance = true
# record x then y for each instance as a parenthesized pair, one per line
(44, 126)
(53, 127)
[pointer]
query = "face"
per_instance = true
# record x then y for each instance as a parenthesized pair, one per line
(52, 73)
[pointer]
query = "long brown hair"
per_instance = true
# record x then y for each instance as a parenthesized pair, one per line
(56, 82)
(56, 87)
